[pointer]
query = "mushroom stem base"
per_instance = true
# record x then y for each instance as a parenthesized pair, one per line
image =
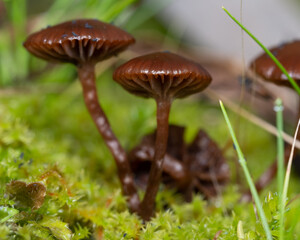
(86, 75)
(147, 206)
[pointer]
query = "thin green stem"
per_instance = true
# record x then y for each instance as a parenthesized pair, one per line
(248, 176)
(116, 9)
(279, 65)
(285, 187)
(278, 108)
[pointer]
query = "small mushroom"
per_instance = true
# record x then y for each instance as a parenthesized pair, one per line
(288, 55)
(85, 42)
(163, 76)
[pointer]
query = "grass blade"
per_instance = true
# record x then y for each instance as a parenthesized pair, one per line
(243, 163)
(286, 186)
(279, 65)
(147, 10)
(278, 108)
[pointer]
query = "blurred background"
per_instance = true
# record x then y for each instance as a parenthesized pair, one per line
(206, 25)
(201, 26)
(198, 24)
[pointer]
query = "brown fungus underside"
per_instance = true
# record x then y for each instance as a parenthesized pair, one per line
(163, 76)
(78, 41)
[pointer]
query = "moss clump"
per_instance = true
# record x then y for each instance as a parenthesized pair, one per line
(50, 138)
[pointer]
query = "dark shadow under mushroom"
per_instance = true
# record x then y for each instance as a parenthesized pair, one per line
(196, 167)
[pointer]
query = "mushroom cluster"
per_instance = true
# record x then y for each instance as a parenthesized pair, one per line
(163, 76)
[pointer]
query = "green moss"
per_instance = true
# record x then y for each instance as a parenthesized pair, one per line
(50, 138)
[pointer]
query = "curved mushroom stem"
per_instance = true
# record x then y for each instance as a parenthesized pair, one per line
(147, 205)
(86, 73)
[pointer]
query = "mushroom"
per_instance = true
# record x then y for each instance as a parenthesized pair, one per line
(85, 42)
(288, 55)
(163, 76)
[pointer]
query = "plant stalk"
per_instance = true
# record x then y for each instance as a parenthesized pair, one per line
(148, 204)
(86, 73)
(285, 187)
(278, 108)
(248, 176)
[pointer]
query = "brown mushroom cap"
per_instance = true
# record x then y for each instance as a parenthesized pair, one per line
(162, 75)
(288, 55)
(78, 41)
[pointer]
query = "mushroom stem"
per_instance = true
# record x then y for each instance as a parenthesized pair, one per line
(147, 205)
(86, 73)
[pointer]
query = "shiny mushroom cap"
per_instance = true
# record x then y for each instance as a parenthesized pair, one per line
(162, 75)
(288, 55)
(78, 41)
